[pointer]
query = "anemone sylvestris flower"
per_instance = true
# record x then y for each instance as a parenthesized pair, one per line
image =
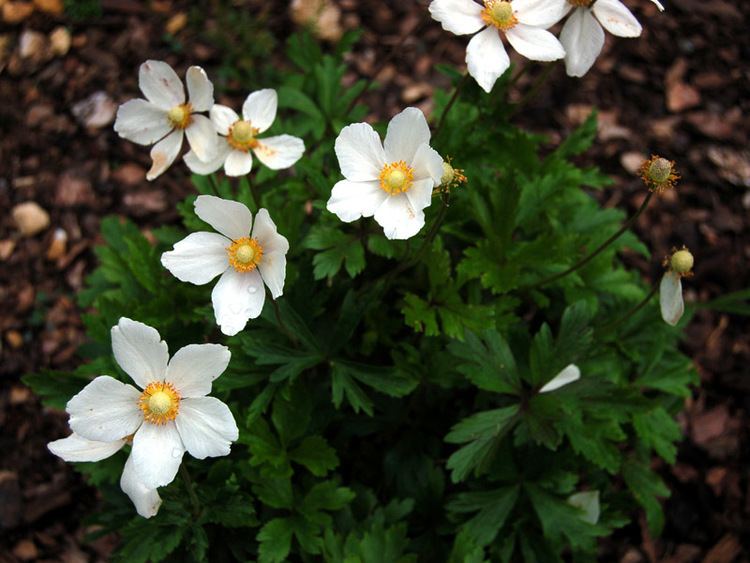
(523, 22)
(239, 138)
(245, 261)
(168, 415)
(392, 181)
(164, 117)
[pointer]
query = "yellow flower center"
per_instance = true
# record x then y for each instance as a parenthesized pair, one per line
(245, 254)
(682, 261)
(499, 14)
(396, 177)
(581, 3)
(659, 174)
(242, 136)
(180, 116)
(160, 402)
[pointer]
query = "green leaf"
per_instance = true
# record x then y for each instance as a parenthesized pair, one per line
(275, 539)
(658, 430)
(315, 454)
(487, 362)
(492, 507)
(646, 486)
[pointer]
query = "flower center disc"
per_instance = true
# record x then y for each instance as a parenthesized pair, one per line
(242, 135)
(245, 254)
(160, 402)
(499, 14)
(396, 177)
(180, 116)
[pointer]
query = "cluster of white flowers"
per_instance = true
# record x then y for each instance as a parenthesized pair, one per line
(169, 415)
(525, 23)
(225, 140)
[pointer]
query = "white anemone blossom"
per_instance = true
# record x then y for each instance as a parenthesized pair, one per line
(239, 138)
(568, 375)
(76, 448)
(169, 413)
(392, 181)
(583, 36)
(244, 260)
(164, 117)
(523, 22)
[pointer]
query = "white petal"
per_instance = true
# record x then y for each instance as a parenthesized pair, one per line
(139, 351)
(407, 131)
(105, 410)
(273, 271)
(157, 454)
(398, 217)
(161, 85)
(568, 375)
(588, 502)
(352, 200)
(279, 152)
(197, 166)
(202, 137)
(145, 500)
(198, 258)
(206, 426)
(200, 89)
(260, 109)
(360, 153)
(238, 163)
(616, 18)
(78, 448)
(670, 298)
(583, 39)
(223, 118)
(141, 122)
(268, 236)
(420, 194)
(164, 153)
(194, 367)
(457, 16)
(428, 163)
(237, 298)
(658, 5)
(486, 58)
(541, 13)
(535, 43)
(231, 218)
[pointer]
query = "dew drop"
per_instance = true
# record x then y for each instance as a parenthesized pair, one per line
(176, 452)
(252, 289)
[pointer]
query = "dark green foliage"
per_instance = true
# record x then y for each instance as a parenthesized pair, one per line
(389, 409)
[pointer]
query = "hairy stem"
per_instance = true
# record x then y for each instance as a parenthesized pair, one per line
(534, 90)
(189, 487)
(449, 105)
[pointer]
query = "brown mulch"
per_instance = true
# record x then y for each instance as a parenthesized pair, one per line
(680, 90)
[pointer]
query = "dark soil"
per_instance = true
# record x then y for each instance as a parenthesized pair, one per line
(681, 90)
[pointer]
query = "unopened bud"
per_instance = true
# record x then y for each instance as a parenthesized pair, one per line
(681, 262)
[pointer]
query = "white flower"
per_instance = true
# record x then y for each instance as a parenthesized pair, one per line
(670, 298)
(239, 138)
(568, 375)
(523, 22)
(164, 116)
(588, 503)
(583, 36)
(170, 415)
(392, 181)
(244, 260)
(76, 448)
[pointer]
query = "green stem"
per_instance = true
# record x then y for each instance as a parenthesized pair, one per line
(426, 243)
(534, 90)
(214, 185)
(189, 487)
(449, 105)
(586, 259)
(283, 327)
(617, 322)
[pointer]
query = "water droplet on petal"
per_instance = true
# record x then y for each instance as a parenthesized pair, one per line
(252, 289)
(176, 452)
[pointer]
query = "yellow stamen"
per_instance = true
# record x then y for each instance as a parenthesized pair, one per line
(500, 14)
(396, 177)
(659, 174)
(245, 254)
(241, 136)
(160, 402)
(180, 116)
(581, 3)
